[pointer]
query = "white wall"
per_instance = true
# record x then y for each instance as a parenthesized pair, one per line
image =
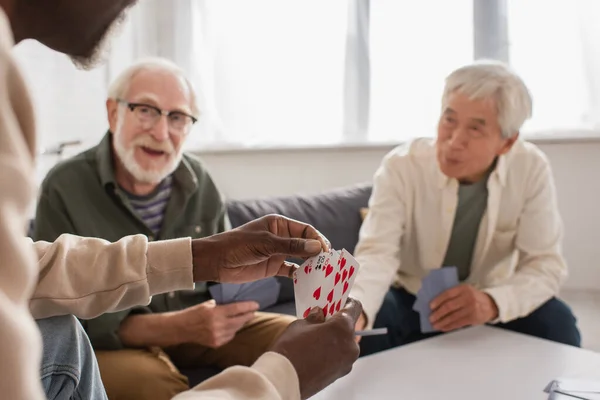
(278, 172)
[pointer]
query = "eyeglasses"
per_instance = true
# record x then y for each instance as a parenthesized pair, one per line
(179, 122)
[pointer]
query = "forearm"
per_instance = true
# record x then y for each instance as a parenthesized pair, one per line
(145, 330)
(125, 274)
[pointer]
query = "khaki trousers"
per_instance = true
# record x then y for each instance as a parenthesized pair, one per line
(144, 374)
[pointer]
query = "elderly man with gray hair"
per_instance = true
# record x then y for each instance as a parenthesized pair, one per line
(138, 180)
(476, 198)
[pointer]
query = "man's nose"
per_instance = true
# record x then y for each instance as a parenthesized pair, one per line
(160, 130)
(459, 138)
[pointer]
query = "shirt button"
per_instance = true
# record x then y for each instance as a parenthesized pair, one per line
(197, 229)
(171, 295)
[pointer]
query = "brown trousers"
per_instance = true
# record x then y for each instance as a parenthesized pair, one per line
(144, 374)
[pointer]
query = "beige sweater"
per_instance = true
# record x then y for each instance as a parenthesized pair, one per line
(126, 273)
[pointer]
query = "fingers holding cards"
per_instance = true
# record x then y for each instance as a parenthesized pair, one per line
(324, 281)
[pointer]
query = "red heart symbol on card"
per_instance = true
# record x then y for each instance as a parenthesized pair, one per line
(351, 271)
(307, 269)
(317, 293)
(344, 275)
(345, 287)
(330, 296)
(328, 270)
(306, 312)
(295, 280)
(338, 305)
(337, 278)
(332, 309)
(325, 311)
(342, 263)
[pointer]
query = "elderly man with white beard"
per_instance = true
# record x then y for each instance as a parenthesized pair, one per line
(138, 180)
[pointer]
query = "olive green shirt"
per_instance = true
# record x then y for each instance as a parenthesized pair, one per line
(81, 196)
(472, 203)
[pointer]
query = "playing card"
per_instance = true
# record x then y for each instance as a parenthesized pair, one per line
(313, 282)
(424, 313)
(265, 292)
(229, 292)
(433, 285)
(345, 274)
(215, 292)
(302, 284)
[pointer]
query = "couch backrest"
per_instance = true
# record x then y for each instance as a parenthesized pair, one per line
(336, 212)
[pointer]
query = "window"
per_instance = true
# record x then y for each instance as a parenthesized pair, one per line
(277, 70)
(413, 46)
(552, 48)
(314, 72)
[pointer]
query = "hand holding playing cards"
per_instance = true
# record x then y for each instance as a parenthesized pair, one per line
(255, 250)
(211, 325)
(321, 351)
(461, 306)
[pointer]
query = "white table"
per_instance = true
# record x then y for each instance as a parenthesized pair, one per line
(478, 363)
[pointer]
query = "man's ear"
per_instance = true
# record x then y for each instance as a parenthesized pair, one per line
(112, 113)
(508, 144)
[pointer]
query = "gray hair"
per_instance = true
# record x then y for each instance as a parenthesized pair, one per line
(487, 79)
(119, 87)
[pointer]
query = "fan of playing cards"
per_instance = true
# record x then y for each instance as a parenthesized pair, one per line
(324, 281)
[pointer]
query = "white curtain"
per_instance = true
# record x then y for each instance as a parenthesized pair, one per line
(555, 47)
(414, 45)
(271, 71)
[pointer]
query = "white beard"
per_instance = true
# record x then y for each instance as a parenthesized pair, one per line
(148, 176)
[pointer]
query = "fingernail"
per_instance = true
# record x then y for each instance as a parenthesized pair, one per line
(312, 246)
(314, 311)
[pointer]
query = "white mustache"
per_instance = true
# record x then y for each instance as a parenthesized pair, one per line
(148, 142)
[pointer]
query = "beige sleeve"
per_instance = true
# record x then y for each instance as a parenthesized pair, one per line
(272, 377)
(87, 277)
(20, 344)
(541, 268)
(378, 248)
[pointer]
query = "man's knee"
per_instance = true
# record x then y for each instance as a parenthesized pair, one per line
(554, 321)
(140, 374)
(389, 312)
(389, 316)
(559, 322)
(266, 328)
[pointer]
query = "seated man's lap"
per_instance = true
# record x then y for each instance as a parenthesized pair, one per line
(553, 320)
(396, 314)
(249, 343)
(140, 374)
(156, 372)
